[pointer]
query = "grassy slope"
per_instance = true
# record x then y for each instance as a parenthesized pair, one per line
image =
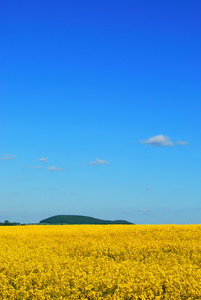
(73, 219)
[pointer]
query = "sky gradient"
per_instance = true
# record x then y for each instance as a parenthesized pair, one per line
(101, 110)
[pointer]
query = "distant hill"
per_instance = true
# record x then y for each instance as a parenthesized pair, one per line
(73, 219)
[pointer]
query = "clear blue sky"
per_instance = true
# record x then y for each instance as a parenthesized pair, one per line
(101, 110)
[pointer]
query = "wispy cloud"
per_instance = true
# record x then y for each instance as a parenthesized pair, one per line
(53, 168)
(158, 140)
(8, 157)
(18, 178)
(182, 143)
(43, 159)
(29, 167)
(162, 140)
(99, 162)
(149, 189)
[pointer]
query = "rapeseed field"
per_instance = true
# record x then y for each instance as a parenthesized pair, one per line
(100, 262)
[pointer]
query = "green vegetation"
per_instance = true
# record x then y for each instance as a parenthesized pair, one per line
(7, 223)
(73, 219)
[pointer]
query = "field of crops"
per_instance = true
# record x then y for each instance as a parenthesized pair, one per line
(100, 262)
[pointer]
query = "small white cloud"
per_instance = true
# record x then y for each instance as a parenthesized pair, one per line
(162, 140)
(37, 167)
(8, 157)
(149, 189)
(144, 211)
(182, 143)
(53, 168)
(158, 140)
(43, 159)
(99, 162)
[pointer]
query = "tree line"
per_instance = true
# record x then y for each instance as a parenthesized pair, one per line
(7, 223)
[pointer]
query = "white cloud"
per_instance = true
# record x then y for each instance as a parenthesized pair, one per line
(162, 140)
(158, 140)
(53, 168)
(8, 157)
(144, 211)
(43, 159)
(182, 143)
(149, 189)
(99, 162)
(35, 167)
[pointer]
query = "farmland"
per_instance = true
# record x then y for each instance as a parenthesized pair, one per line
(100, 262)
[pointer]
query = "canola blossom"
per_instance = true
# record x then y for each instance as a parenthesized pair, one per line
(136, 262)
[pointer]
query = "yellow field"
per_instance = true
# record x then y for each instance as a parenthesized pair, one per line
(100, 262)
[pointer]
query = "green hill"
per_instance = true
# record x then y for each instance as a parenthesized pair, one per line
(73, 219)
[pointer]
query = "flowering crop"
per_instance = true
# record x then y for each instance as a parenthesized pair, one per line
(136, 262)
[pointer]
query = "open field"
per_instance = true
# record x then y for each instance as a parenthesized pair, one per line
(100, 262)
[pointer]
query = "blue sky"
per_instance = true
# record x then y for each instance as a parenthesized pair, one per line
(101, 110)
